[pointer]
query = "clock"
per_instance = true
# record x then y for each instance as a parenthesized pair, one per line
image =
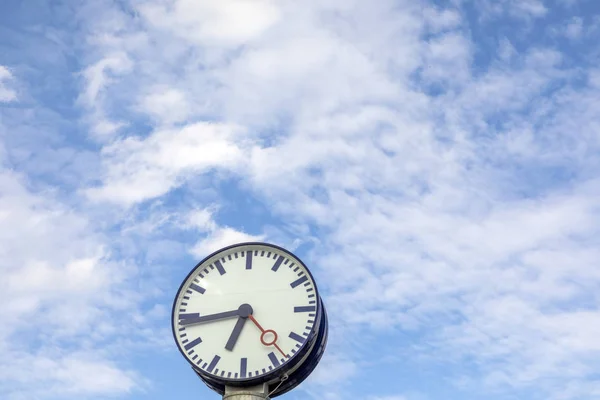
(250, 314)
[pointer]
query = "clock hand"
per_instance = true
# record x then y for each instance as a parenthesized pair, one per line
(235, 334)
(244, 311)
(265, 332)
(208, 318)
(256, 323)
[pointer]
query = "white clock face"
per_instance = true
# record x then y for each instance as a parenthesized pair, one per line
(245, 312)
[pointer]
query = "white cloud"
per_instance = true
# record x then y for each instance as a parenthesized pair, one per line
(56, 272)
(209, 23)
(518, 8)
(6, 94)
(138, 169)
(217, 236)
(333, 369)
(97, 78)
(574, 28)
(201, 220)
(441, 19)
(65, 376)
(165, 104)
(220, 238)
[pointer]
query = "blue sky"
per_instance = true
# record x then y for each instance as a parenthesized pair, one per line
(436, 164)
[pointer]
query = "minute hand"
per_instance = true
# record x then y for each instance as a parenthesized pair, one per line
(208, 318)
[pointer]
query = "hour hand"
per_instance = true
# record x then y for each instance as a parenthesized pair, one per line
(208, 318)
(235, 334)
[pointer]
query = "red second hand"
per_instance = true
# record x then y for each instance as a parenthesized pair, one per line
(264, 332)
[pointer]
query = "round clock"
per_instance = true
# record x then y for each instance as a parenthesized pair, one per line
(250, 314)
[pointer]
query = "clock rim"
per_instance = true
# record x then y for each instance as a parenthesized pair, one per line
(296, 359)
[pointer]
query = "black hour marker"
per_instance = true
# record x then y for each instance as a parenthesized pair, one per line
(243, 367)
(249, 260)
(274, 359)
(193, 343)
(197, 288)
(189, 315)
(296, 337)
(298, 281)
(277, 263)
(219, 267)
(213, 363)
(305, 309)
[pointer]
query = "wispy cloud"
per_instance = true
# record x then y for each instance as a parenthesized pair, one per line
(61, 291)
(140, 169)
(217, 236)
(97, 79)
(6, 94)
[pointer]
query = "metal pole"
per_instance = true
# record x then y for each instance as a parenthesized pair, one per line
(260, 392)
